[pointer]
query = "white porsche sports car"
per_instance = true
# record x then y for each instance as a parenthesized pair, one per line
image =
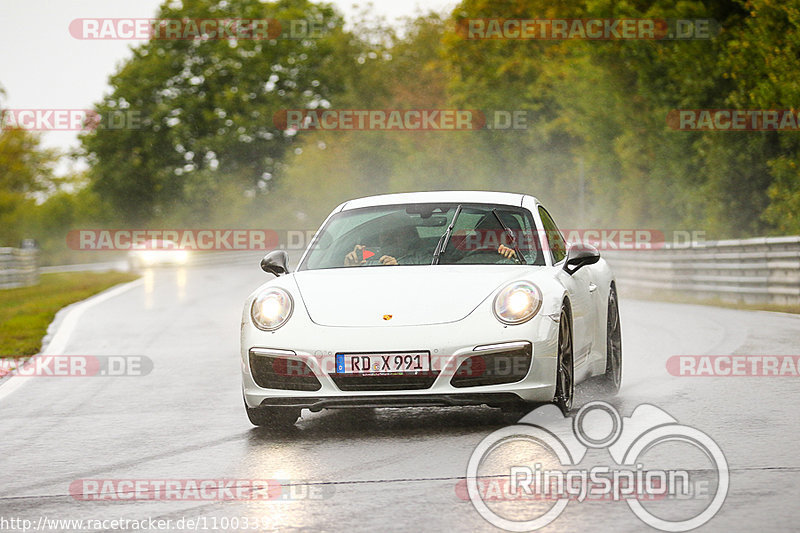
(430, 299)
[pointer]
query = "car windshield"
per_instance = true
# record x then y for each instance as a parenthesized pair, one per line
(410, 234)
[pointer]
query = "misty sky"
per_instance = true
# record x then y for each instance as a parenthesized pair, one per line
(43, 66)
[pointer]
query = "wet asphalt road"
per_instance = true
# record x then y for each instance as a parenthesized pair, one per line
(364, 471)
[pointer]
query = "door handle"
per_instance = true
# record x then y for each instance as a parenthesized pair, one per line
(592, 287)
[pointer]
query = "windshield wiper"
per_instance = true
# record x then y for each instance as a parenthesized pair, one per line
(513, 238)
(442, 244)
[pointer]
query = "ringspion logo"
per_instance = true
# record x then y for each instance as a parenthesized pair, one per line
(669, 499)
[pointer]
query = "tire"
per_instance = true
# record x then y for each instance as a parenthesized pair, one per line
(565, 372)
(277, 418)
(611, 380)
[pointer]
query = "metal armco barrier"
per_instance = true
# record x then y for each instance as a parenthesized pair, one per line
(764, 270)
(18, 268)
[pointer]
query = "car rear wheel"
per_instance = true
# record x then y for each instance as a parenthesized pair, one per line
(612, 379)
(565, 375)
(272, 417)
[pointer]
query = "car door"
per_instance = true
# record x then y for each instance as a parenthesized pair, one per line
(581, 287)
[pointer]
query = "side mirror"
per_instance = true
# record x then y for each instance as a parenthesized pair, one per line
(579, 255)
(276, 262)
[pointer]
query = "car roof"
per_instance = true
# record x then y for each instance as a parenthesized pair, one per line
(472, 197)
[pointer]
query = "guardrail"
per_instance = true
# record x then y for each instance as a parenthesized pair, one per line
(764, 270)
(222, 258)
(18, 268)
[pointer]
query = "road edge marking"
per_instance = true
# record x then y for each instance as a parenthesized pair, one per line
(59, 338)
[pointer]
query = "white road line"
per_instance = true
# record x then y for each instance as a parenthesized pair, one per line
(59, 340)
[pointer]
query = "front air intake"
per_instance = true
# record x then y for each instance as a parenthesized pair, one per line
(279, 372)
(494, 367)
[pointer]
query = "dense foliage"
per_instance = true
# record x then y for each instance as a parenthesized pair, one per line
(597, 146)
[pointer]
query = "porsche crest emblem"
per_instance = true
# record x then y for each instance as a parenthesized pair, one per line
(387, 317)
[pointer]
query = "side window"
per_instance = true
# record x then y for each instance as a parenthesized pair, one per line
(554, 238)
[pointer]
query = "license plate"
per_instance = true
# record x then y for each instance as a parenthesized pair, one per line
(387, 363)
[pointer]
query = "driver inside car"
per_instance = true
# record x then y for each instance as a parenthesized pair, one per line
(402, 243)
(487, 234)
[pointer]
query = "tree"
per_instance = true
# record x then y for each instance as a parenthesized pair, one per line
(26, 169)
(206, 108)
(768, 43)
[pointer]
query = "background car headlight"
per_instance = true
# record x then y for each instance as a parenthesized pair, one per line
(518, 302)
(148, 257)
(271, 309)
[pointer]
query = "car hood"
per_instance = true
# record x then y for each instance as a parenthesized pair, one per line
(399, 296)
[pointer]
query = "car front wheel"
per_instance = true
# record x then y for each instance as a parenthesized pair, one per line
(612, 379)
(565, 375)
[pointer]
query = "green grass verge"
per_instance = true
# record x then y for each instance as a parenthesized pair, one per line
(26, 312)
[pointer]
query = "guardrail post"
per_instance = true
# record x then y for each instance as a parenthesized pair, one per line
(18, 267)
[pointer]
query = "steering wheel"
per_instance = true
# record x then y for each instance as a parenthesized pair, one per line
(493, 251)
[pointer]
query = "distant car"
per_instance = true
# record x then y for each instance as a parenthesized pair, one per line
(430, 299)
(156, 252)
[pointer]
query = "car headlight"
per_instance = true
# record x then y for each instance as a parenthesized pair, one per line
(518, 302)
(271, 309)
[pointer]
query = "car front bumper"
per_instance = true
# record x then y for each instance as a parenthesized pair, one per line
(313, 348)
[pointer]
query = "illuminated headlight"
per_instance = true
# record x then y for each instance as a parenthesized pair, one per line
(271, 309)
(518, 302)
